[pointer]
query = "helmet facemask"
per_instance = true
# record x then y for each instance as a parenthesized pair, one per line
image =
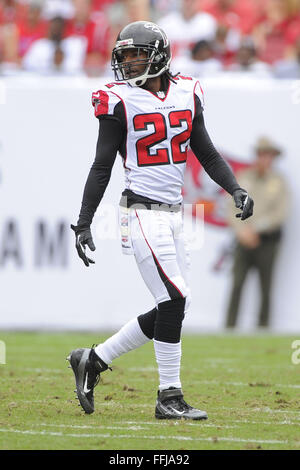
(155, 62)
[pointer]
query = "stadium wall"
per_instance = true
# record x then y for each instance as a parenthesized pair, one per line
(47, 144)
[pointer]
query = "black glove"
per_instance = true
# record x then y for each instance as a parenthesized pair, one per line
(83, 237)
(244, 202)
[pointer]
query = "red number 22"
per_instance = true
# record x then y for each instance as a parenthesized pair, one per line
(161, 156)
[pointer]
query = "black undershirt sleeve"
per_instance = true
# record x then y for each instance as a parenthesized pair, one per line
(214, 165)
(110, 140)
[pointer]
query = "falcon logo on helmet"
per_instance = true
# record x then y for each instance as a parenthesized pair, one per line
(152, 26)
(152, 50)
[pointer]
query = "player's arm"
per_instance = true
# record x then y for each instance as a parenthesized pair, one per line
(110, 136)
(215, 166)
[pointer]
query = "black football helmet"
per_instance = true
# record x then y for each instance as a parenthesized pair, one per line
(146, 37)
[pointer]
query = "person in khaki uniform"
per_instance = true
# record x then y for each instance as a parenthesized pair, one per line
(258, 238)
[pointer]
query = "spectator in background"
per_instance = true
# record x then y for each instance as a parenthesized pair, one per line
(187, 26)
(31, 27)
(55, 54)
(278, 29)
(8, 47)
(162, 8)
(226, 44)
(258, 239)
(235, 18)
(95, 29)
(240, 15)
(137, 10)
(10, 12)
(201, 62)
(246, 61)
(61, 8)
(100, 5)
(289, 68)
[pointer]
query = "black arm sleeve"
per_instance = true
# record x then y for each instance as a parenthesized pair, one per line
(110, 138)
(214, 165)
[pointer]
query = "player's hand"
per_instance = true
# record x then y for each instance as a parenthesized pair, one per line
(83, 238)
(244, 202)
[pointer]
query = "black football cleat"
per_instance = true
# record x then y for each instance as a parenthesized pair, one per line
(87, 367)
(171, 405)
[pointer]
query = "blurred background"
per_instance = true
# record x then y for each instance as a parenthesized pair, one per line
(53, 54)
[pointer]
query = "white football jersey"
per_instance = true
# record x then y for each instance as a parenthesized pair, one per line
(158, 133)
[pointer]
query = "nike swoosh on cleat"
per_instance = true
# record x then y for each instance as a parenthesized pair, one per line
(85, 389)
(177, 412)
(167, 410)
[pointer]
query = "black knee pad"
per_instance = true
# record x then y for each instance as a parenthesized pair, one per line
(146, 322)
(168, 321)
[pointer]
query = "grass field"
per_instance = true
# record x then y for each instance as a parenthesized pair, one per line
(247, 384)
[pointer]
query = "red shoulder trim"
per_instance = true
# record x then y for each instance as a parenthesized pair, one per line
(100, 102)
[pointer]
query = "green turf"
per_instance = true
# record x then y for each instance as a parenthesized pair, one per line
(248, 386)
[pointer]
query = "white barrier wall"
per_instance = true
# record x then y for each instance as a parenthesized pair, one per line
(47, 144)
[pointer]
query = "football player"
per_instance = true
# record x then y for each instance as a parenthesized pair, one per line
(149, 116)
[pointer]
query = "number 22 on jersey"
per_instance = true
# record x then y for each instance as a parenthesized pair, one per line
(177, 119)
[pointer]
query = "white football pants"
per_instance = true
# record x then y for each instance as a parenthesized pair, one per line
(161, 253)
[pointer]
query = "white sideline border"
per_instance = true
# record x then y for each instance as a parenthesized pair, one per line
(158, 437)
